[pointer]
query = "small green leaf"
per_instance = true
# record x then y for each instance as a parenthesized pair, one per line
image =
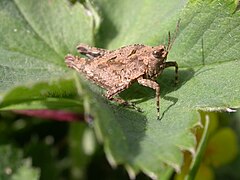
(54, 94)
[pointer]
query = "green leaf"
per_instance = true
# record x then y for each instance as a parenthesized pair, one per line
(196, 161)
(54, 94)
(206, 50)
(130, 22)
(36, 35)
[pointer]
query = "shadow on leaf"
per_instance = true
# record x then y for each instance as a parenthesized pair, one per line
(139, 94)
(133, 126)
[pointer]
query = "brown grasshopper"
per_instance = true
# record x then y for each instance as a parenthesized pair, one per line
(116, 70)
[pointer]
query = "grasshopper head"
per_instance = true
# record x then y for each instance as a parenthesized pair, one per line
(160, 52)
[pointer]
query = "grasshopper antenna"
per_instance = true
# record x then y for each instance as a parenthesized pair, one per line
(170, 42)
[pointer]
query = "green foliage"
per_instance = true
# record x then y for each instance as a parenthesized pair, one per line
(36, 35)
(13, 167)
(26, 172)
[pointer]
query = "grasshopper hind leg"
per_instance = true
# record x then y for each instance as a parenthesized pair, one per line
(111, 93)
(90, 52)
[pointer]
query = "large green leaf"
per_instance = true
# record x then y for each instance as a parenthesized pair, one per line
(35, 36)
(207, 52)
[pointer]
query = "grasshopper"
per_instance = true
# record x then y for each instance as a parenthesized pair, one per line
(116, 70)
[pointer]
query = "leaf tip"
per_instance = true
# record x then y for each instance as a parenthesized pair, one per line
(131, 172)
(192, 151)
(199, 122)
(176, 166)
(230, 110)
(110, 158)
(152, 175)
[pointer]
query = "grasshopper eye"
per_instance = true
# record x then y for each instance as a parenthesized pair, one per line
(158, 53)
